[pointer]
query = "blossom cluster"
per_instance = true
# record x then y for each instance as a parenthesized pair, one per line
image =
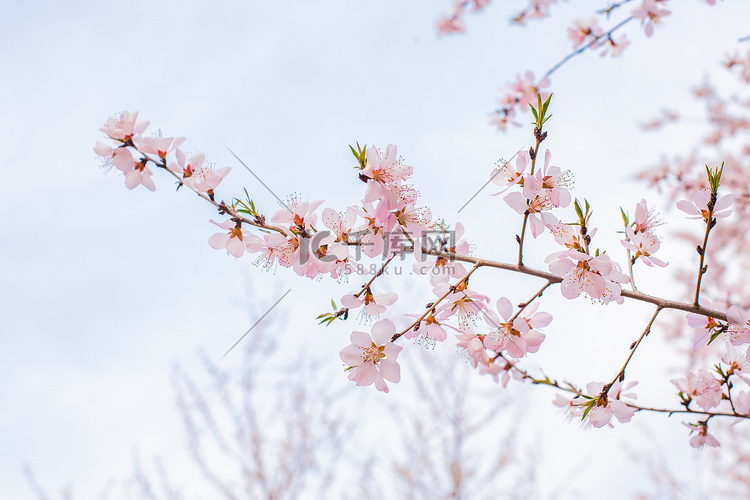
(517, 97)
(389, 222)
(589, 33)
(584, 34)
(453, 22)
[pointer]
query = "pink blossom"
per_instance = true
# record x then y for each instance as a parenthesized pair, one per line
(122, 158)
(645, 218)
(474, 348)
(449, 25)
(651, 14)
(705, 325)
(614, 47)
(372, 358)
(379, 222)
(124, 126)
(387, 169)
(297, 216)
(702, 438)
(582, 30)
(140, 175)
(535, 202)
(571, 238)
(375, 303)
(702, 388)
(467, 304)
(569, 405)
(196, 174)
(495, 370)
(206, 179)
(519, 336)
(136, 172)
(507, 176)
(502, 117)
(644, 244)
(235, 241)
(556, 183)
(741, 402)
(279, 249)
(158, 145)
(741, 63)
(525, 90)
(337, 244)
(414, 219)
(697, 207)
(598, 277)
(736, 362)
(739, 326)
(429, 330)
(105, 151)
(519, 94)
(606, 405)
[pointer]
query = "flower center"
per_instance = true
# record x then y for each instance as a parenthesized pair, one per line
(373, 354)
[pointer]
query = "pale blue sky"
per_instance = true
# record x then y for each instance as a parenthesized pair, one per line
(103, 289)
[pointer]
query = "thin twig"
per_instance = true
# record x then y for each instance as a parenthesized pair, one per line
(621, 374)
(432, 305)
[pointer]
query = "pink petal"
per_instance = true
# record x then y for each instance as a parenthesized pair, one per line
(361, 339)
(517, 202)
(351, 355)
(505, 308)
(364, 374)
(235, 247)
(382, 331)
(350, 301)
(218, 241)
(599, 416)
(390, 370)
(688, 207)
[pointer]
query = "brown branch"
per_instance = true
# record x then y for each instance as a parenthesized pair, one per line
(639, 296)
(528, 302)
(710, 222)
(221, 206)
(432, 305)
(621, 374)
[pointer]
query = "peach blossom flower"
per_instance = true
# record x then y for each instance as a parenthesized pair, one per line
(372, 358)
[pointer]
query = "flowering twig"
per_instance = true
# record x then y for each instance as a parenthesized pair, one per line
(639, 296)
(222, 207)
(528, 302)
(540, 115)
(587, 46)
(714, 178)
(432, 305)
(567, 387)
(621, 374)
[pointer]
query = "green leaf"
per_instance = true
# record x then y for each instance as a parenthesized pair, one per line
(587, 410)
(713, 336)
(624, 217)
(546, 105)
(533, 110)
(577, 207)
